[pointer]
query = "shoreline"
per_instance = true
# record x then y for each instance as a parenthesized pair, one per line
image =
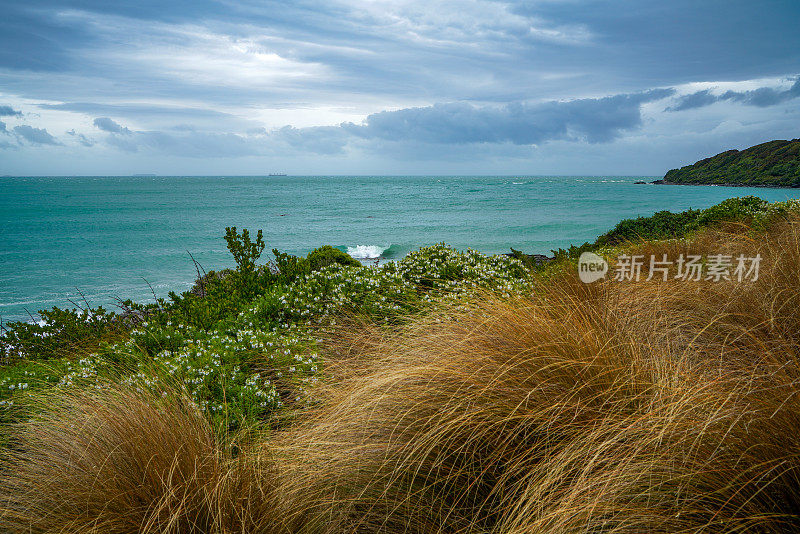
(764, 186)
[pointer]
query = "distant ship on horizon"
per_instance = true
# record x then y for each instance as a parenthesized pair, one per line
(277, 174)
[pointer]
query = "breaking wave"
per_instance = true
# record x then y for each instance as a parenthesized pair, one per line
(373, 252)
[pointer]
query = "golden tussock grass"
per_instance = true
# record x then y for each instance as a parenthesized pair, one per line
(612, 407)
(117, 460)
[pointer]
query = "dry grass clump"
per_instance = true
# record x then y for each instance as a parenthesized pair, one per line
(611, 407)
(118, 461)
(543, 417)
(725, 321)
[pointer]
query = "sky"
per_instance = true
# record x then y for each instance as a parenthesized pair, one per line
(535, 87)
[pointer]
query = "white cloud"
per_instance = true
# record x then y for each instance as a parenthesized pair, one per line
(193, 53)
(470, 23)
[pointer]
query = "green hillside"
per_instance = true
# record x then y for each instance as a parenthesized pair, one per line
(771, 164)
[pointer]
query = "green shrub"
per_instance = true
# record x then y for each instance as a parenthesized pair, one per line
(245, 252)
(661, 225)
(738, 209)
(750, 210)
(59, 333)
(573, 252)
(328, 255)
(290, 267)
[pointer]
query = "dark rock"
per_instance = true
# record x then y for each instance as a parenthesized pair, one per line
(129, 318)
(530, 260)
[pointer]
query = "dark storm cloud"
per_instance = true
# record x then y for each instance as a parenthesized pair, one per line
(108, 125)
(761, 97)
(36, 136)
(8, 111)
(593, 120)
(694, 100)
(764, 96)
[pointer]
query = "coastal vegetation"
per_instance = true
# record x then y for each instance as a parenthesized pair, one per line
(447, 391)
(772, 164)
(752, 211)
(243, 343)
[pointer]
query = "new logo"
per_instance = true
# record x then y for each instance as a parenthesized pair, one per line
(591, 267)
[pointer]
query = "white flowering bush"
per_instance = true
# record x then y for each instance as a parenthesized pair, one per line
(252, 364)
(392, 291)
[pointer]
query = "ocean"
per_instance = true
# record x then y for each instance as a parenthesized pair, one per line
(96, 238)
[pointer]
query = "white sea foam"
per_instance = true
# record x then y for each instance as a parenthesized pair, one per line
(366, 252)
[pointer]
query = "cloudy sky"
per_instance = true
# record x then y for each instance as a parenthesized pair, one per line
(392, 87)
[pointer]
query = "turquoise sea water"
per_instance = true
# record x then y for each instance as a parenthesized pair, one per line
(104, 236)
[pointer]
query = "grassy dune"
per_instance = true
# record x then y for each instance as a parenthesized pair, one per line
(548, 406)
